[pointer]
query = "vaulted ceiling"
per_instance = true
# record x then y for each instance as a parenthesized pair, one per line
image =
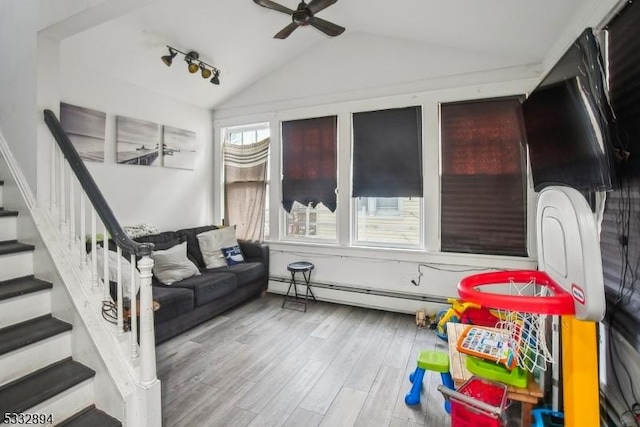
(406, 39)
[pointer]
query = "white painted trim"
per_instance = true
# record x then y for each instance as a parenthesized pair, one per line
(25, 307)
(16, 172)
(375, 302)
(67, 403)
(35, 356)
(87, 302)
(8, 228)
(17, 264)
(405, 255)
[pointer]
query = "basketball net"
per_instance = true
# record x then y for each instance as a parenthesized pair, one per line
(526, 333)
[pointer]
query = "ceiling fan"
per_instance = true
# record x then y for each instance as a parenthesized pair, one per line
(304, 15)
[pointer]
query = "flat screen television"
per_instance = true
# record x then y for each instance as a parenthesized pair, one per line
(568, 122)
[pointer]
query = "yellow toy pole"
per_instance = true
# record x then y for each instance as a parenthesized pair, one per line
(580, 373)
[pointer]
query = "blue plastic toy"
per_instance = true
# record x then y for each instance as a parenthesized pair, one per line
(429, 360)
(539, 416)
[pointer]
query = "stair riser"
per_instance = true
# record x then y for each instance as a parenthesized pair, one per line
(28, 359)
(16, 265)
(65, 404)
(24, 307)
(8, 228)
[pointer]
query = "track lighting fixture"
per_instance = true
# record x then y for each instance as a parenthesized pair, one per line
(168, 59)
(215, 80)
(206, 73)
(193, 64)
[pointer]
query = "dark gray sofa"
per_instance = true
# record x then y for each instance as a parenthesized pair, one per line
(193, 300)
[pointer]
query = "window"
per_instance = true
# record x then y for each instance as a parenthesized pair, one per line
(391, 221)
(387, 177)
(309, 178)
(308, 222)
(483, 192)
(246, 151)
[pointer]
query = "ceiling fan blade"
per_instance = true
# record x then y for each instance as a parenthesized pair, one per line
(316, 6)
(274, 6)
(286, 31)
(326, 27)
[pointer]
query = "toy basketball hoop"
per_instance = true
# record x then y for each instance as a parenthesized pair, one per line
(523, 300)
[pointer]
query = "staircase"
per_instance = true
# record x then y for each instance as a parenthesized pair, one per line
(38, 376)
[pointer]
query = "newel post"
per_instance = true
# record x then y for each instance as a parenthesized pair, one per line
(147, 333)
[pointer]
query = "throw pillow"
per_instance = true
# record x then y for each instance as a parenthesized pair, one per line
(233, 255)
(172, 265)
(113, 271)
(211, 242)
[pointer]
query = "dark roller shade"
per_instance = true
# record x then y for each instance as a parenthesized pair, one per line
(483, 191)
(387, 153)
(620, 235)
(624, 81)
(309, 162)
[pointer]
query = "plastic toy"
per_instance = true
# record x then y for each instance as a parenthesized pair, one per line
(541, 416)
(462, 312)
(429, 360)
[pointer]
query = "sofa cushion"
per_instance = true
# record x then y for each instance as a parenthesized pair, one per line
(245, 273)
(209, 286)
(173, 302)
(193, 247)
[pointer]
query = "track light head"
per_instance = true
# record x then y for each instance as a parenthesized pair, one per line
(215, 79)
(191, 58)
(206, 73)
(168, 59)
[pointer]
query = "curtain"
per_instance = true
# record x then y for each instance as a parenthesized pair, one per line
(245, 169)
(309, 162)
(483, 187)
(387, 153)
(624, 82)
(620, 235)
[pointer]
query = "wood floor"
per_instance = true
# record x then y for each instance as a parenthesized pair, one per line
(261, 365)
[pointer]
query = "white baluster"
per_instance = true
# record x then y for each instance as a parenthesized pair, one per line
(72, 211)
(106, 295)
(133, 312)
(94, 247)
(83, 231)
(119, 304)
(147, 337)
(63, 201)
(52, 177)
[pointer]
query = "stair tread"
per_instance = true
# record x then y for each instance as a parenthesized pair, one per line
(21, 286)
(13, 246)
(5, 212)
(22, 334)
(90, 416)
(28, 391)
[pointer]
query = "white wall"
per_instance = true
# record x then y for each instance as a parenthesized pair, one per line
(17, 82)
(165, 197)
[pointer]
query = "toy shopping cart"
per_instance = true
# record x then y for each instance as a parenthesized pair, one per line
(477, 403)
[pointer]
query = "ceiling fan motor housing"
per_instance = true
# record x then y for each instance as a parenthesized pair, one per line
(302, 15)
